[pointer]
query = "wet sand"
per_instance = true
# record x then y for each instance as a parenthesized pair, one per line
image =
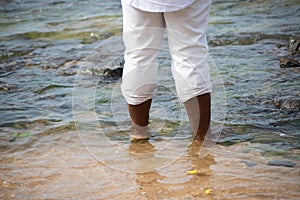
(58, 166)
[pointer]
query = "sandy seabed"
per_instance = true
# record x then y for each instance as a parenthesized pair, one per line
(62, 168)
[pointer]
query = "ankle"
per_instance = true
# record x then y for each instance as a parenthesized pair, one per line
(140, 132)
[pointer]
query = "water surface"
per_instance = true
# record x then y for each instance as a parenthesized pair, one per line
(52, 147)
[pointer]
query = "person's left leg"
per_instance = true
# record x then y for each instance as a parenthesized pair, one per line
(188, 46)
(199, 113)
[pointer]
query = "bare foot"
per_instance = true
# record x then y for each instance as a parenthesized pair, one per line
(136, 139)
(198, 140)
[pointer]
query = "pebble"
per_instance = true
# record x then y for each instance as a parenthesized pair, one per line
(208, 191)
(283, 163)
(192, 172)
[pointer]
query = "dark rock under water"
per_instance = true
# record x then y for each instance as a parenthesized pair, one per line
(283, 163)
(113, 73)
(293, 54)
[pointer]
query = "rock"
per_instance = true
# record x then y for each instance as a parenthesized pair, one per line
(293, 54)
(234, 139)
(69, 64)
(294, 45)
(113, 73)
(106, 35)
(288, 62)
(7, 87)
(290, 103)
(227, 131)
(283, 163)
(13, 139)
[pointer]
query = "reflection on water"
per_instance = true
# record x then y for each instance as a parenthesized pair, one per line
(52, 147)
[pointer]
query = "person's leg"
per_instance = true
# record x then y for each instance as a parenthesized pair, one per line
(199, 113)
(142, 36)
(188, 46)
(140, 113)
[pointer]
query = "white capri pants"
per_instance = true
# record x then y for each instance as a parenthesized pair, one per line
(143, 36)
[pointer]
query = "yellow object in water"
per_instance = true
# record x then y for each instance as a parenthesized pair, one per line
(192, 172)
(207, 191)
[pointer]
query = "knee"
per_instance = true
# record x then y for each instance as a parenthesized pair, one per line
(135, 94)
(139, 82)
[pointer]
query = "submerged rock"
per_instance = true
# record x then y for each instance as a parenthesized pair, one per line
(294, 45)
(293, 54)
(114, 70)
(113, 73)
(288, 103)
(283, 163)
(288, 62)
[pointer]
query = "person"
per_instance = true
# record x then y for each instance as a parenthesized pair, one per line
(144, 25)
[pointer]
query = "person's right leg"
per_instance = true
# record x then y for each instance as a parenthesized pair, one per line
(142, 36)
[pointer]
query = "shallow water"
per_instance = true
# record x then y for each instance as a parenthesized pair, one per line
(64, 127)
